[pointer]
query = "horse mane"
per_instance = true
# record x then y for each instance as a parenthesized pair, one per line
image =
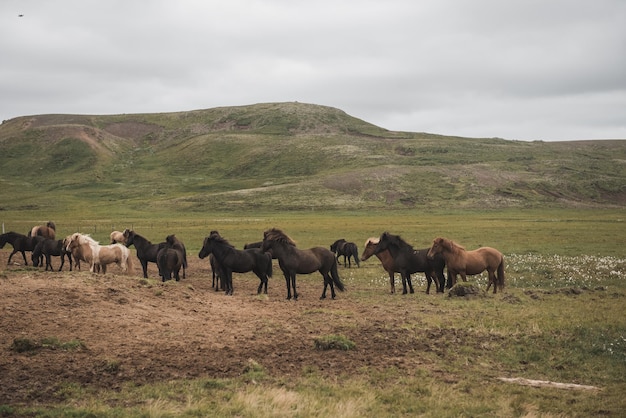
(84, 239)
(217, 238)
(372, 240)
(278, 235)
(51, 224)
(450, 245)
(397, 241)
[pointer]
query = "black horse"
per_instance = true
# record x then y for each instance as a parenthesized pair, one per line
(48, 248)
(256, 244)
(346, 249)
(232, 260)
(21, 243)
(294, 261)
(409, 260)
(175, 243)
(169, 262)
(146, 251)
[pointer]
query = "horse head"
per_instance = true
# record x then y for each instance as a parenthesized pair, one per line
(440, 245)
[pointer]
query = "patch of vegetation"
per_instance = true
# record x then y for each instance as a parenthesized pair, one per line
(25, 345)
(333, 342)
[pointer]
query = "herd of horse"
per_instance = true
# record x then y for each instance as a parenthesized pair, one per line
(170, 256)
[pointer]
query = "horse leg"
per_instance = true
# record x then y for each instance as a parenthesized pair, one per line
(332, 286)
(408, 279)
(144, 265)
(288, 283)
(404, 291)
(392, 283)
(49, 262)
(293, 284)
(325, 286)
(429, 281)
(492, 279)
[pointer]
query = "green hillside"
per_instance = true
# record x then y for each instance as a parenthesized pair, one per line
(289, 156)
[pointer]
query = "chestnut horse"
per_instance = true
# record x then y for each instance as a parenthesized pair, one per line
(385, 258)
(47, 231)
(463, 262)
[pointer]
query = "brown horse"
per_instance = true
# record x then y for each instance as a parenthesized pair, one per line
(463, 262)
(294, 261)
(79, 252)
(47, 231)
(385, 258)
(347, 249)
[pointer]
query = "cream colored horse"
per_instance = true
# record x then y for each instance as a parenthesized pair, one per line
(99, 256)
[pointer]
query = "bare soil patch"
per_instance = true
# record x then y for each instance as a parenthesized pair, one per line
(139, 331)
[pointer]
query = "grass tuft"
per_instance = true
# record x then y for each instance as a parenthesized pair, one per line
(333, 342)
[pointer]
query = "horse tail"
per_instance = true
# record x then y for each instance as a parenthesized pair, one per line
(335, 275)
(501, 274)
(129, 262)
(270, 269)
(355, 255)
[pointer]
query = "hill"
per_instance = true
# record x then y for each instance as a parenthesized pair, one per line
(289, 156)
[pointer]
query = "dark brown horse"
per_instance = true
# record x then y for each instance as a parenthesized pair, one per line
(21, 243)
(47, 231)
(294, 261)
(346, 249)
(48, 248)
(463, 262)
(178, 245)
(232, 260)
(408, 261)
(169, 262)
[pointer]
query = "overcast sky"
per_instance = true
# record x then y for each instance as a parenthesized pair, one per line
(514, 69)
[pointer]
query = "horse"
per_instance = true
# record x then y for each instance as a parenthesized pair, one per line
(117, 237)
(347, 250)
(232, 260)
(256, 244)
(385, 258)
(47, 231)
(408, 261)
(21, 243)
(169, 261)
(178, 245)
(102, 255)
(463, 262)
(146, 251)
(80, 252)
(48, 248)
(294, 261)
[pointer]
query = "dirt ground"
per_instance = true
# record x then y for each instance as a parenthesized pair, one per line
(140, 331)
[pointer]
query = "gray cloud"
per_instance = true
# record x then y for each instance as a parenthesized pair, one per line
(523, 69)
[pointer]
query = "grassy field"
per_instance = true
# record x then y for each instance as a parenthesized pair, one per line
(560, 319)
